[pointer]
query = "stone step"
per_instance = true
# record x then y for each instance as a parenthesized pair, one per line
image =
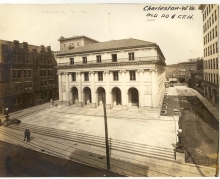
(134, 148)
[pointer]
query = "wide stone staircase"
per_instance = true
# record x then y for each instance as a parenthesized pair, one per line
(118, 145)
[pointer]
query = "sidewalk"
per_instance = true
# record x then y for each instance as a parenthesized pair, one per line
(207, 104)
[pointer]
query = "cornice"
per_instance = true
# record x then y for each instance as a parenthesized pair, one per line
(107, 64)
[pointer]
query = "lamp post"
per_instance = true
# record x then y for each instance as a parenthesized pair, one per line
(106, 132)
(6, 121)
(6, 114)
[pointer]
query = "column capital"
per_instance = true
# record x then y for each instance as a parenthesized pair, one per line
(78, 73)
(122, 71)
(91, 72)
(153, 70)
(59, 73)
(106, 72)
(66, 73)
(141, 70)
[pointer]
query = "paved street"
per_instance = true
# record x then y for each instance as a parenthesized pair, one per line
(29, 163)
(139, 145)
(200, 128)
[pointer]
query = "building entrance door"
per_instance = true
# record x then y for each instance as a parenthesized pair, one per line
(118, 97)
(134, 97)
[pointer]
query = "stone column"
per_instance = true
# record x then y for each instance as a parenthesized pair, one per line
(67, 90)
(154, 88)
(93, 92)
(60, 87)
(141, 88)
(124, 92)
(107, 92)
(79, 81)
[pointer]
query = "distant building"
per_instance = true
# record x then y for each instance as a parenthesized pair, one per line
(27, 75)
(210, 47)
(180, 72)
(125, 73)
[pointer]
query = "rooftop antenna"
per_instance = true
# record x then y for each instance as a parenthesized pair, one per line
(110, 26)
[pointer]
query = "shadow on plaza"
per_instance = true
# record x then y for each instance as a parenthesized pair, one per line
(122, 167)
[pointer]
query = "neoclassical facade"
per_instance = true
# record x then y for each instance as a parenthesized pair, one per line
(124, 73)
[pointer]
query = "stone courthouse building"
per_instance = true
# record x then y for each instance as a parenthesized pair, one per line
(127, 72)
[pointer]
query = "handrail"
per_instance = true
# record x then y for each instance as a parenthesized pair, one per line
(111, 61)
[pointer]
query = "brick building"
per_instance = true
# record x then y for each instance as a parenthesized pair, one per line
(27, 75)
(180, 72)
(210, 47)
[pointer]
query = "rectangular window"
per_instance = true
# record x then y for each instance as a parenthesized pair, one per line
(86, 76)
(213, 47)
(16, 73)
(45, 72)
(216, 63)
(132, 75)
(48, 72)
(131, 56)
(216, 31)
(216, 79)
(98, 59)
(71, 60)
(213, 63)
(213, 34)
(114, 57)
(51, 73)
(19, 74)
(100, 76)
(115, 76)
(73, 76)
(84, 59)
(216, 45)
(18, 87)
(215, 16)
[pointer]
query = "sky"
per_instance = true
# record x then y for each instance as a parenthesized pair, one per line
(179, 39)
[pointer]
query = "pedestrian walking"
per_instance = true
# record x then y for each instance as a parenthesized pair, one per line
(28, 135)
(25, 134)
(8, 165)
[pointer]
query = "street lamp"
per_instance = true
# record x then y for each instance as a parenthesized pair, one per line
(6, 121)
(106, 132)
(6, 114)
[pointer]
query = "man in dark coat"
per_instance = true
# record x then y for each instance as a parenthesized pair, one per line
(25, 134)
(28, 135)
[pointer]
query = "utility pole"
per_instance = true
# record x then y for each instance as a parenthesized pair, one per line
(106, 132)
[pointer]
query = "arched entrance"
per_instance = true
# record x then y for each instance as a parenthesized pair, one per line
(100, 95)
(133, 97)
(116, 96)
(87, 95)
(75, 95)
